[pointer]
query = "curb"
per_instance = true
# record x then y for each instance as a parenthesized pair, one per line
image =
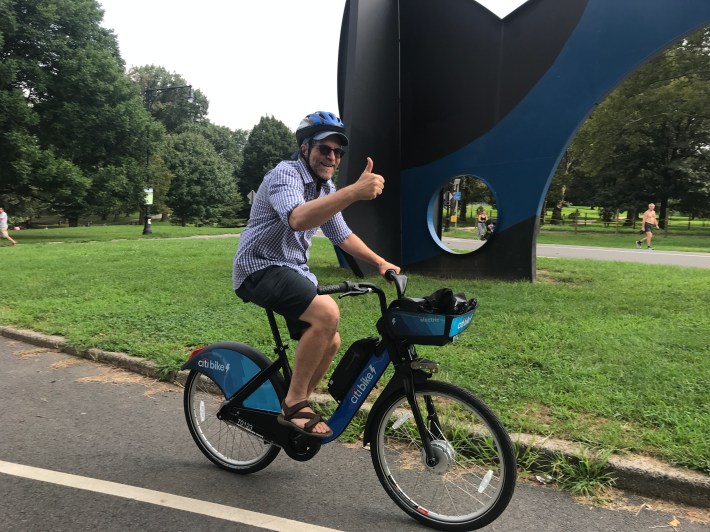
(641, 475)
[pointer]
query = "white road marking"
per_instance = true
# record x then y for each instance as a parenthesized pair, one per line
(185, 504)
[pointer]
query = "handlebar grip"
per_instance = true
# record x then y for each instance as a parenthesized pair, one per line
(333, 288)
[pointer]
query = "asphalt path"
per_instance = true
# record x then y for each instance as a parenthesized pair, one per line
(643, 256)
(632, 254)
(85, 446)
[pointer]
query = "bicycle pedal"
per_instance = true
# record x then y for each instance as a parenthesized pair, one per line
(425, 365)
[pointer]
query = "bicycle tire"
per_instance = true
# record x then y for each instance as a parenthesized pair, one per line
(227, 445)
(474, 479)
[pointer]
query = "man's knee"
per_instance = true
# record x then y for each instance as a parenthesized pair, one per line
(323, 313)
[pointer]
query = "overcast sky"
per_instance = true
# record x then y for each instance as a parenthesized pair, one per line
(250, 58)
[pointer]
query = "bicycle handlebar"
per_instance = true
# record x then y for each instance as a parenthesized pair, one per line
(349, 288)
(345, 286)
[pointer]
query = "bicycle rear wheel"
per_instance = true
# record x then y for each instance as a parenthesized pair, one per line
(227, 445)
(474, 477)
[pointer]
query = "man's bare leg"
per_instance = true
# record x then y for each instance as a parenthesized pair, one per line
(325, 364)
(314, 353)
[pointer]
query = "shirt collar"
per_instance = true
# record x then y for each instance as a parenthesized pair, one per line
(303, 170)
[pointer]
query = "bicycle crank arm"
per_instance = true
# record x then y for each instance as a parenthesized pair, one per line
(258, 422)
(265, 425)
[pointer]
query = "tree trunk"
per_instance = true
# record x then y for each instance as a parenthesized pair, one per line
(662, 213)
(631, 215)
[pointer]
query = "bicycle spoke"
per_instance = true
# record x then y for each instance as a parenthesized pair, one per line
(227, 445)
(473, 477)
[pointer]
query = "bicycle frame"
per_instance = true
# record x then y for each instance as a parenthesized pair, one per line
(263, 414)
(259, 416)
(439, 452)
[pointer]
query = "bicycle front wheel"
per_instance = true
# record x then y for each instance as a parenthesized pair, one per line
(474, 476)
(229, 446)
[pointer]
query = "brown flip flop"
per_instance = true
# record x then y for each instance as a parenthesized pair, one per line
(293, 412)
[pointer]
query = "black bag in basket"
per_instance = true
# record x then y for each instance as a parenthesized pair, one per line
(443, 301)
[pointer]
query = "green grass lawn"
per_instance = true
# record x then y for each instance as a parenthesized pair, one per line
(613, 355)
(100, 233)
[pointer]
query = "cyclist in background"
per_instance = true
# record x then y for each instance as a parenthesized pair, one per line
(270, 266)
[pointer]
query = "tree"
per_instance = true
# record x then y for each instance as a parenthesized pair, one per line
(71, 111)
(172, 108)
(228, 144)
(648, 141)
(473, 190)
(270, 141)
(203, 190)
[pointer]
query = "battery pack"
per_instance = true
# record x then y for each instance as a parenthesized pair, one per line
(350, 366)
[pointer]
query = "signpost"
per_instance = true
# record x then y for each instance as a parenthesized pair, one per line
(147, 201)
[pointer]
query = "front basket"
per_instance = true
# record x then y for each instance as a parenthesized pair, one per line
(426, 329)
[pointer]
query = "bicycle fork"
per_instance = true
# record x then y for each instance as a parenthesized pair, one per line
(409, 388)
(407, 375)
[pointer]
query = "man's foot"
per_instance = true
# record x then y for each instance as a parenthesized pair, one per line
(649, 248)
(298, 411)
(638, 244)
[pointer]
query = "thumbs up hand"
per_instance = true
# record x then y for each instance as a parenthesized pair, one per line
(369, 185)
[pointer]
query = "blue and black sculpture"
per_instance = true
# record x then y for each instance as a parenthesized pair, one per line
(436, 89)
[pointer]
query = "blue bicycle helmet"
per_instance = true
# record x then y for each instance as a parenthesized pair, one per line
(319, 125)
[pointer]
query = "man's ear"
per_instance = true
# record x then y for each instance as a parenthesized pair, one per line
(304, 150)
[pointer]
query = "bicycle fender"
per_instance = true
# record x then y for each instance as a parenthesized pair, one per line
(394, 386)
(231, 365)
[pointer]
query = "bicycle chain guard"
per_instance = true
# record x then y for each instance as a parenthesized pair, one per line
(301, 448)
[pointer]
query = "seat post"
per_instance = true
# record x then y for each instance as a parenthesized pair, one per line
(280, 348)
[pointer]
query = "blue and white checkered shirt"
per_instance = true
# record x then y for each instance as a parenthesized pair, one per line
(268, 240)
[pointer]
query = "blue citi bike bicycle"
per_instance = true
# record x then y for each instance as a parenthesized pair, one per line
(440, 452)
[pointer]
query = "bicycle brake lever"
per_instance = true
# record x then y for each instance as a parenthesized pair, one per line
(360, 291)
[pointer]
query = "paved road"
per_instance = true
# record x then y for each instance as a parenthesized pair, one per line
(87, 447)
(657, 256)
(632, 254)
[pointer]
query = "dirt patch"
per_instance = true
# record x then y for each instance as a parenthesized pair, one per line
(619, 500)
(34, 353)
(622, 501)
(66, 363)
(119, 376)
(544, 276)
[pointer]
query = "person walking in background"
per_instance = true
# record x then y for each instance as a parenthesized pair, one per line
(648, 221)
(482, 223)
(3, 226)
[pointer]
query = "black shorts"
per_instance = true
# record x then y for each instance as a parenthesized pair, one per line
(647, 227)
(283, 290)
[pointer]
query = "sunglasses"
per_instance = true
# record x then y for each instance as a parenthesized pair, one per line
(325, 150)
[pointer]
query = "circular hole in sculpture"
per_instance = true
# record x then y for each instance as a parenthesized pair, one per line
(463, 215)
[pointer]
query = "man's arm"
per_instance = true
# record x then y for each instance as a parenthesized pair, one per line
(358, 249)
(316, 212)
